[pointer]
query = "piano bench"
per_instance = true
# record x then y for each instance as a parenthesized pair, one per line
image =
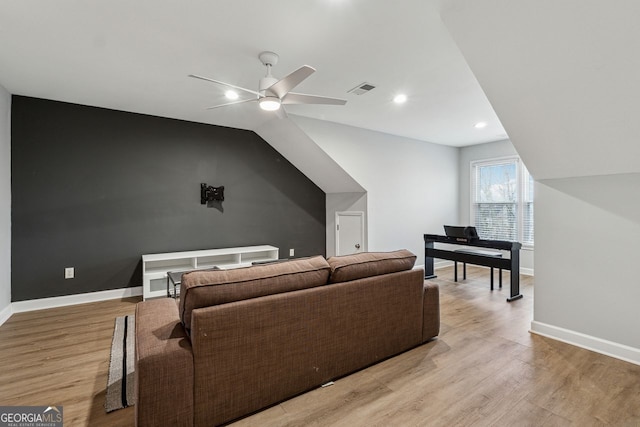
(476, 252)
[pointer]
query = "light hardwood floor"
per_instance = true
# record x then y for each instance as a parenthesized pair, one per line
(485, 369)
(60, 356)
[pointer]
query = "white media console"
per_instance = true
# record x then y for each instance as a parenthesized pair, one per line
(156, 266)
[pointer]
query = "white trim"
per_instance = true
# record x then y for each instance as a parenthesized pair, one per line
(526, 271)
(43, 303)
(472, 182)
(442, 264)
(5, 314)
(436, 265)
(521, 173)
(608, 348)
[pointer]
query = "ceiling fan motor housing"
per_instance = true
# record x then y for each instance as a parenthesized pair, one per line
(266, 83)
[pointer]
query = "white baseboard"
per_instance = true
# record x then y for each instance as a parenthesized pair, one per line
(436, 265)
(608, 348)
(526, 271)
(43, 303)
(442, 264)
(5, 314)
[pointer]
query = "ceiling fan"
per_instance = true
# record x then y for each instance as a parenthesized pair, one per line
(272, 93)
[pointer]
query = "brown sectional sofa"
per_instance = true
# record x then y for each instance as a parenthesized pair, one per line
(241, 340)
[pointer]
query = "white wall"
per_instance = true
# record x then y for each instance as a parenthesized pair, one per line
(561, 88)
(411, 185)
(5, 204)
(472, 153)
(587, 281)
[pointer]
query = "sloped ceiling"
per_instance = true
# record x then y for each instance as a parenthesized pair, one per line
(136, 55)
(286, 137)
(563, 76)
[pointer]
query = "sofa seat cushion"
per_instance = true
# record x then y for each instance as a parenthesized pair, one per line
(208, 288)
(367, 264)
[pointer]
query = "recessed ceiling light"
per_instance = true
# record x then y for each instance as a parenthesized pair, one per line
(480, 125)
(231, 94)
(400, 98)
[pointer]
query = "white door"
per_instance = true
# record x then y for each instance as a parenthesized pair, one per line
(349, 233)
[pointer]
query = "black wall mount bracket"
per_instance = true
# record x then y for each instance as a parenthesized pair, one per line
(210, 193)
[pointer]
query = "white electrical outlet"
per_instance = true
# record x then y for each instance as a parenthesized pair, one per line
(69, 272)
(292, 252)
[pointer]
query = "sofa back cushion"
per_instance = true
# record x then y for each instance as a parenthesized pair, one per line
(367, 264)
(207, 288)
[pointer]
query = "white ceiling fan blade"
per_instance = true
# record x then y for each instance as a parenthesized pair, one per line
(231, 103)
(285, 84)
(301, 98)
(225, 84)
(281, 113)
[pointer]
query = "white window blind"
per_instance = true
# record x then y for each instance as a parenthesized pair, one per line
(502, 200)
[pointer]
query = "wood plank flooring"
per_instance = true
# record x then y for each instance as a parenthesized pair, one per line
(60, 356)
(485, 369)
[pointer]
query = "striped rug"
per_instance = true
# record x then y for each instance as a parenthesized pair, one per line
(121, 367)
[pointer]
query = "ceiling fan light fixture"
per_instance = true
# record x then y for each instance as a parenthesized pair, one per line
(272, 91)
(269, 103)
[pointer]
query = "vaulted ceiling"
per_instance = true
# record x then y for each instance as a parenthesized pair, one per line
(136, 55)
(563, 76)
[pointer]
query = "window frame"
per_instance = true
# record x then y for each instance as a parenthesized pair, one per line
(522, 193)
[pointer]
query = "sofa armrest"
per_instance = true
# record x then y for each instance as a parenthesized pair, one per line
(164, 366)
(431, 311)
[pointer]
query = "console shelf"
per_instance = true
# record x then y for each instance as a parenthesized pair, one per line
(156, 266)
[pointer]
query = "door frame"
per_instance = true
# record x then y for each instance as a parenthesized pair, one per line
(337, 229)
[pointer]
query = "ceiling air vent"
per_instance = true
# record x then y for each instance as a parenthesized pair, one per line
(361, 88)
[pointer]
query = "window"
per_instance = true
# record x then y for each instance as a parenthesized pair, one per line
(502, 200)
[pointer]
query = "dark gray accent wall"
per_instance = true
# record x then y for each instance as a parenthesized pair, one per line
(95, 189)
